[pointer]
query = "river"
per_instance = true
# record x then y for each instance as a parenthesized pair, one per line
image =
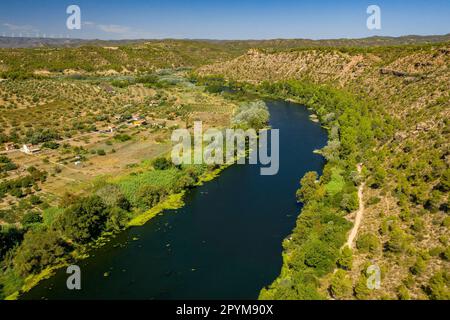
(226, 243)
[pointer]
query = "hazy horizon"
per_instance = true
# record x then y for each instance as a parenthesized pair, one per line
(224, 40)
(233, 20)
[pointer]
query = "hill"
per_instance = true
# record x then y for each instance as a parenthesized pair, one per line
(387, 107)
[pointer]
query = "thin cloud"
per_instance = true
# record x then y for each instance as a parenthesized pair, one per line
(20, 28)
(114, 28)
(109, 28)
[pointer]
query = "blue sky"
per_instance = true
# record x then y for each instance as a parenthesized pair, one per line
(227, 19)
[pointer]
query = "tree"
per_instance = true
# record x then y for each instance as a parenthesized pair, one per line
(319, 257)
(162, 164)
(9, 238)
(39, 249)
(85, 220)
(149, 196)
(341, 285)
(419, 267)
(403, 293)
(345, 260)
(398, 242)
(445, 181)
(112, 196)
(368, 243)
(31, 218)
(350, 202)
(438, 286)
(117, 219)
(308, 187)
(362, 291)
(253, 115)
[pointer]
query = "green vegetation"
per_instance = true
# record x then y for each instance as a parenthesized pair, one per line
(6, 165)
(438, 286)
(314, 248)
(341, 285)
(384, 107)
(60, 233)
(251, 115)
(368, 243)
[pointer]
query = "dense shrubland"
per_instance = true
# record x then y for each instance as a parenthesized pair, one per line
(315, 247)
(356, 129)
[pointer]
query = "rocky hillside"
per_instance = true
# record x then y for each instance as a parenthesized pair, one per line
(405, 227)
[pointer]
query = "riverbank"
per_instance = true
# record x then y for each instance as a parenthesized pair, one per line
(224, 243)
(157, 186)
(173, 202)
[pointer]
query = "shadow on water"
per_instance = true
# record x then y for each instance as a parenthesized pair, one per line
(226, 243)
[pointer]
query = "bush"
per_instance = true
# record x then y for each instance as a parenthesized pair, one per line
(398, 242)
(9, 237)
(50, 145)
(308, 187)
(419, 267)
(438, 287)
(6, 164)
(446, 254)
(446, 222)
(112, 196)
(149, 196)
(403, 293)
(253, 115)
(361, 290)
(445, 181)
(418, 225)
(345, 260)
(373, 201)
(162, 164)
(35, 200)
(319, 256)
(122, 137)
(368, 243)
(341, 285)
(39, 249)
(31, 218)
(85, 220)
(117, 219)
(350, 202)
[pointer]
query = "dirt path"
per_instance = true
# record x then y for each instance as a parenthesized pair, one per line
(359, 214)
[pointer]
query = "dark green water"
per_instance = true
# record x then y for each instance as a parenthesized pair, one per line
(226, 243)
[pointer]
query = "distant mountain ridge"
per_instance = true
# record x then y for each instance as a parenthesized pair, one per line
(29, 42)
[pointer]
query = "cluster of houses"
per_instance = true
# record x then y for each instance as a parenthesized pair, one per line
(110, 129)
(26, 148)
(136, 120)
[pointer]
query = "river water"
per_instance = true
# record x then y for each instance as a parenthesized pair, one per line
(226, 243)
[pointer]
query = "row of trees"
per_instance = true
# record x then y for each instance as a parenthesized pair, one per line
(20, 187)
